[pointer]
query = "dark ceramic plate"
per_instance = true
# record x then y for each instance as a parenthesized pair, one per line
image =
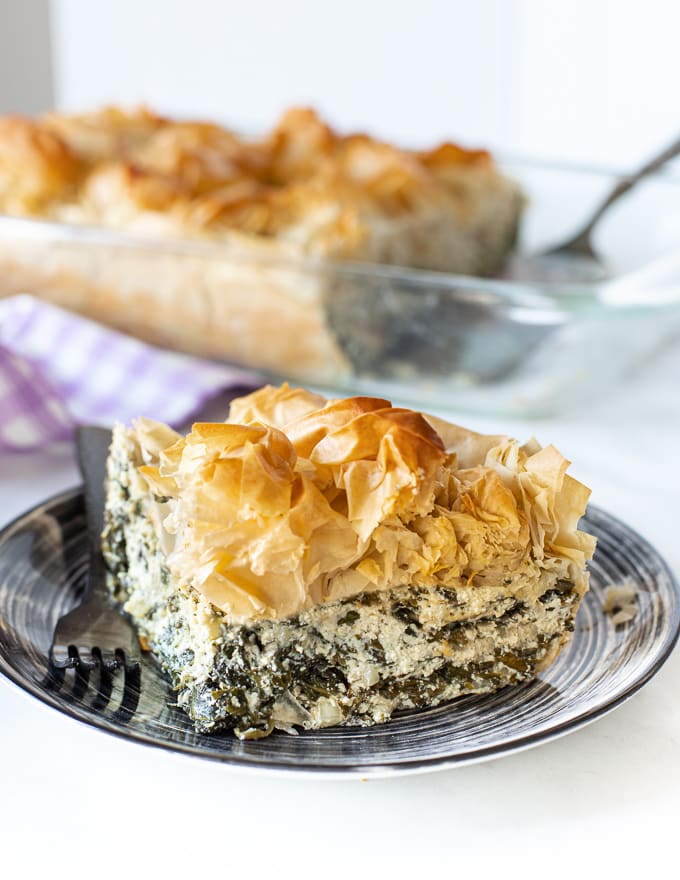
(43, 562)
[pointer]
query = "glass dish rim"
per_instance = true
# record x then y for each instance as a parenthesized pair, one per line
(564, 298)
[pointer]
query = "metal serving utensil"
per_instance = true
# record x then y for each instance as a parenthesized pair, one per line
(576, 259)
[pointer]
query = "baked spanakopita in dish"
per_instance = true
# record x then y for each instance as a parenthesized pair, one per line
(191, 236)
(310, 563)
(302, 185)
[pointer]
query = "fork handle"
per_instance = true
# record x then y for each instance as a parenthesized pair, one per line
(92, 444)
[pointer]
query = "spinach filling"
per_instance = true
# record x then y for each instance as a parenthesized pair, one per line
(251, 673)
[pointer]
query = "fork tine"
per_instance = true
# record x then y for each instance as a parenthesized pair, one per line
(82, 655)
(81, 679)
(109, 661)
(125, 660)
(61, 657)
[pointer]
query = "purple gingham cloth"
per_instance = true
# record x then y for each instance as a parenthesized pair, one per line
(58, 370)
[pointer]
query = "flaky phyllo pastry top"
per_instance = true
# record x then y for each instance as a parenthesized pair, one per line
(296, 501)
(302, 182)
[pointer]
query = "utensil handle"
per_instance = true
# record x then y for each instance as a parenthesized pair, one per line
(629, 182)
(92, 444)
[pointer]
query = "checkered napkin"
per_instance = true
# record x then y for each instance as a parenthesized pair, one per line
(58, 370)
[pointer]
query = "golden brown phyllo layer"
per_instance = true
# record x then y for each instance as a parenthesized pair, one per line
(303, 181)
(297, 501)
(193, 237)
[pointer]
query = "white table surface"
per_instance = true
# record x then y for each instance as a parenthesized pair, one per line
(604, 800)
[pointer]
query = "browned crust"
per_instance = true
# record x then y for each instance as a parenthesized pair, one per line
(211, 180)
(296, 500)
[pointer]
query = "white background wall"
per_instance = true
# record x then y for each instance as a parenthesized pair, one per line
(26, 81)
(592, 81)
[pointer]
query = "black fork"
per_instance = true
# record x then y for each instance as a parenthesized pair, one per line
(94, 641)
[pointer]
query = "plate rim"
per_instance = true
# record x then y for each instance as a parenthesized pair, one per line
(33, 689)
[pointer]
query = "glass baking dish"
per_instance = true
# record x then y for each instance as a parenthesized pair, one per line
(430, 339)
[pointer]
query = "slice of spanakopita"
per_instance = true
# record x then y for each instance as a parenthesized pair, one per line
(310, 563)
